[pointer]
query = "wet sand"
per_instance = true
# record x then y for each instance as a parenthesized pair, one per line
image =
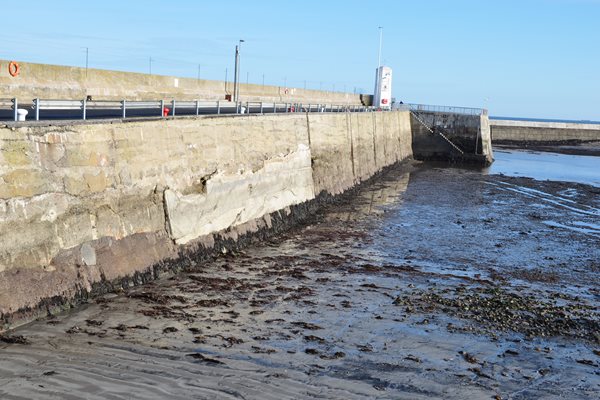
(430, 283)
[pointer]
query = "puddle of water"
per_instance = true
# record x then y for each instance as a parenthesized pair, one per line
(577, 226)
(548, 198)
(547, 166)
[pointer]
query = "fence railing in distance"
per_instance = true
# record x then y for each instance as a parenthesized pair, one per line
(440, 109)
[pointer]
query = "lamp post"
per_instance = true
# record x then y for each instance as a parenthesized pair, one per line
(236, 76)
(87, 58)
(380, 44)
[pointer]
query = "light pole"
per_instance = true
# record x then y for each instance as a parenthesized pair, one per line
(380, 44)
(150, 65)
(236, 76)
(87, 58)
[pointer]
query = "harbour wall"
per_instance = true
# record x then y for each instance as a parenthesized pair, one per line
(535, 132)
(87, 208)
(61, 82)
(440, 136)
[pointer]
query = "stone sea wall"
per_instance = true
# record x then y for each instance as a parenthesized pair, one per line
(62, 82)
(469, 133)
(538, 132)
(91, 207)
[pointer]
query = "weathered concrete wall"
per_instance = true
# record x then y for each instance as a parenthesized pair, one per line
(60, 82)
(87, 205)
(514, 131)
(470, 133)
(356, 146)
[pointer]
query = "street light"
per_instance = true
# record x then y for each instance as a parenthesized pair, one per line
(87, 58)
(380, 44)
(236, 76)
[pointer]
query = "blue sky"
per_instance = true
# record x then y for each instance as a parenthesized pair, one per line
(528, 58)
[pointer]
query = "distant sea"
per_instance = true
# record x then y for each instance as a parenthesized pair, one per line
(583, 121)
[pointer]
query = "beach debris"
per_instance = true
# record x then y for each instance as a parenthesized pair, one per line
(469, 357)
(202, 358)
(14, 339)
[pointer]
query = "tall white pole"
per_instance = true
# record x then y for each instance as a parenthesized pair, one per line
(236, 72)
(380, 44)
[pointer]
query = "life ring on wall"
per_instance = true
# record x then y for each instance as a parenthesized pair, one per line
(13, 68)
(286, 91)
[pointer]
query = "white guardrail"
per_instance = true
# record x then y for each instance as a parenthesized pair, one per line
(84, 109)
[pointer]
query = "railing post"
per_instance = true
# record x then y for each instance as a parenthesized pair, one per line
(274, 107)
(197, 107)
(247, 107)
(218, 106)
(84, 108)
(162, 108)
(287, 109)
(173, 105)
(16, 108)
(261, 107)
(37, 109)
(124, 105)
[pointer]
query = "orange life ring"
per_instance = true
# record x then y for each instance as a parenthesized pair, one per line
(13, 68)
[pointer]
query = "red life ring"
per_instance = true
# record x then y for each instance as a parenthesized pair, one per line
(286, 91)
(13, 68)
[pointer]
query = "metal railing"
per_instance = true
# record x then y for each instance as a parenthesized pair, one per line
(440, 109)
(85, 109)
(10, 104)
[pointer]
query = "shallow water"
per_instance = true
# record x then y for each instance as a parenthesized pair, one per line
(547, 166)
